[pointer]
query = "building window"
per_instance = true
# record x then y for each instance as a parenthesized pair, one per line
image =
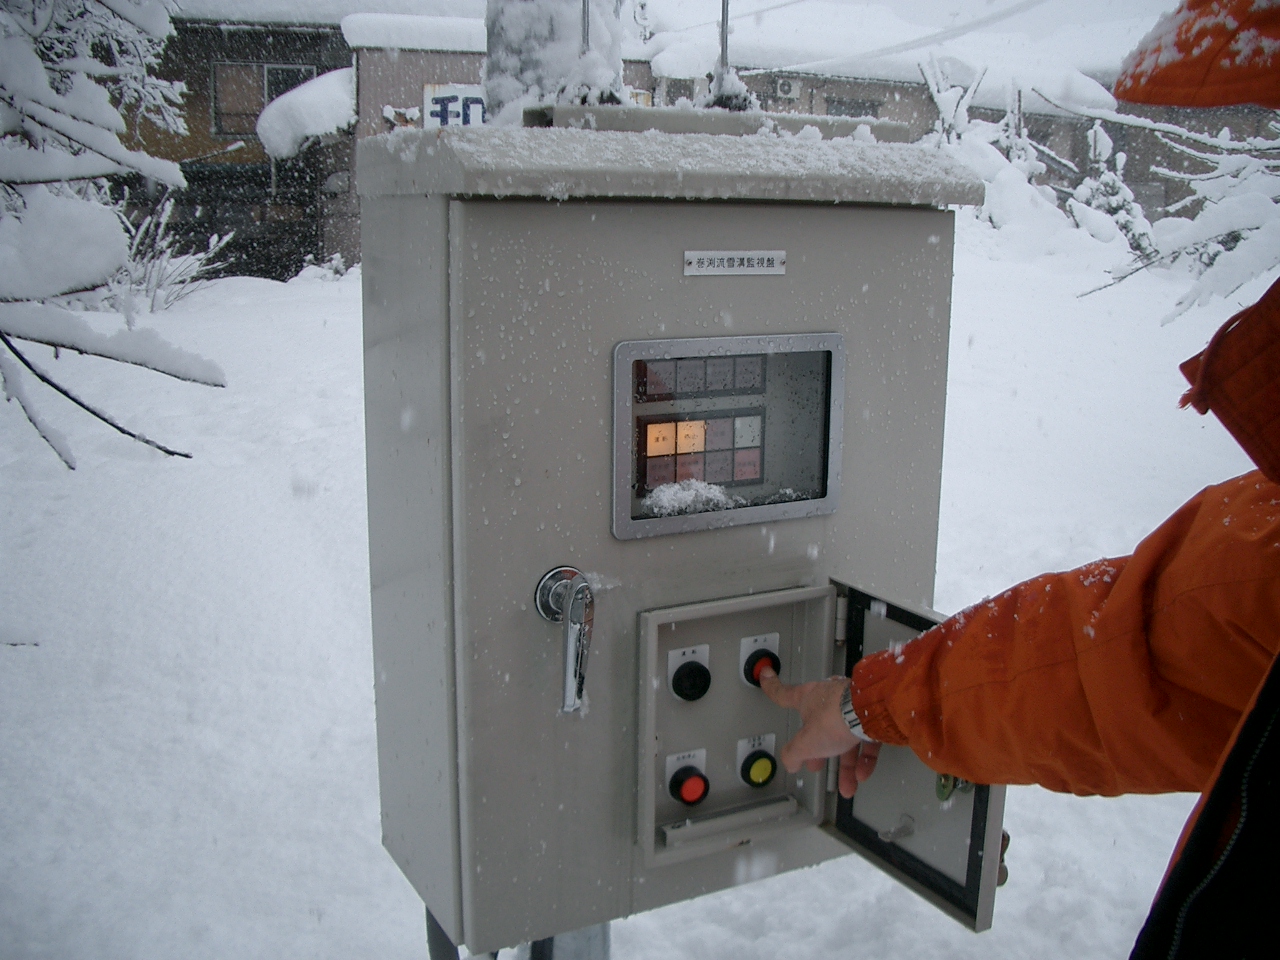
(845, 107)
(241, 90)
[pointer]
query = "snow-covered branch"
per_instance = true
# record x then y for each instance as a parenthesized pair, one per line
(86, 407)
(69, 70)
(1226, 145)
(55, 327)
(103, 142)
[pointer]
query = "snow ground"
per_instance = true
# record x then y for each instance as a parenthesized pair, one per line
(187, 750)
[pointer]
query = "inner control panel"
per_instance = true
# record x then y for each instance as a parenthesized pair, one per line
(715, 432)
(709, 773)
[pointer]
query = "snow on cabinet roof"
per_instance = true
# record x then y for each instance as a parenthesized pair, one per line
(561, 163)
(403, 32)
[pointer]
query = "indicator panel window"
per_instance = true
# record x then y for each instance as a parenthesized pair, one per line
(724, 428)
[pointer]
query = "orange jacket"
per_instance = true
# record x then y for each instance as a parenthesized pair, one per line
(1129, 675)
(1124, 676)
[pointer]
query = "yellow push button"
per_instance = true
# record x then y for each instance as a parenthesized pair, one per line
(758, 768)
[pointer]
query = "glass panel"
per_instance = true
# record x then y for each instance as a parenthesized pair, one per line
(237, 94)
(748, 373)
(661, 470)
(746, 432)
(720, 374)
(691, 376)
(691, 436)
(661, 439)
(282, 79)
(719, 435)
(724, 432)
(719, 467)
(660, 378)
(689, 467)
(746, 464)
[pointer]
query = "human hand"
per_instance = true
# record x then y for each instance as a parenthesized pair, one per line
(823, 731)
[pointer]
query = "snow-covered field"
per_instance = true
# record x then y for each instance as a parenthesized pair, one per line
(186, 721)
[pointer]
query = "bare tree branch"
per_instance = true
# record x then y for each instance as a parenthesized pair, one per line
(54, 385)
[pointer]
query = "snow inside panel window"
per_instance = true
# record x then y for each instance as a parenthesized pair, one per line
(714, 432)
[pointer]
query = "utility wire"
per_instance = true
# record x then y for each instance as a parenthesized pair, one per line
(928, 40)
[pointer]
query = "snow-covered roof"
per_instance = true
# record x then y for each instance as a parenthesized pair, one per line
(560, 163)
(321, 11)
(405, 32)
(1063, 56)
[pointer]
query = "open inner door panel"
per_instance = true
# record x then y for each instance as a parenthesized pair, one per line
(933, 832)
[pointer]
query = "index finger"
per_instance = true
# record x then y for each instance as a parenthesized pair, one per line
(780, 693)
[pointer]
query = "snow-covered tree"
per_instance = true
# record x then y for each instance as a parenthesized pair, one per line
(548, 51)
(1104, 189)
(1234, 235)
(70, 71)
(951, 98)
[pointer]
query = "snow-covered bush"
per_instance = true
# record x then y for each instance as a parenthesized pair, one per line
(951, 98)
(1104, 190)
(1002, 153)
(70, 70)
(155, 272)
(541, 51)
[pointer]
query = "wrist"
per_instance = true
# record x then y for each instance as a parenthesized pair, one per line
(850, 715)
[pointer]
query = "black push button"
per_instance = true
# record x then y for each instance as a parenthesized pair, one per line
(691, 680)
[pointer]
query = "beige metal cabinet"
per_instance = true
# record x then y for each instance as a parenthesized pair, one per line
(563, 376)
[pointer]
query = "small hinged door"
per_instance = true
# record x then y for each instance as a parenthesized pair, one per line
(938, 835)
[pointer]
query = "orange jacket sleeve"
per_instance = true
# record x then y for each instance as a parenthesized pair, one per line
(1124, 676)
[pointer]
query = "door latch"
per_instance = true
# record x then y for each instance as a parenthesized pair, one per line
(564, 596)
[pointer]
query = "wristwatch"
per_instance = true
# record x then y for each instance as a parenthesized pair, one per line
(850, 715)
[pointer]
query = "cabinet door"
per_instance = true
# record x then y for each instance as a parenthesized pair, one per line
(937, 835)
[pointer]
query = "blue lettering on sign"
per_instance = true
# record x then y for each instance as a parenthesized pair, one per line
(442, 111)
(467, 104)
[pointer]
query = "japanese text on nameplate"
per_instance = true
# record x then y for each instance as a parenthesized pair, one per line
(734, 263)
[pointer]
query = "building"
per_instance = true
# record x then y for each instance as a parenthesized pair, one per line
(412, 69)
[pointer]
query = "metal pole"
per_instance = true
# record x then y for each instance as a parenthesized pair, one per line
(586, 26)
(724, 38)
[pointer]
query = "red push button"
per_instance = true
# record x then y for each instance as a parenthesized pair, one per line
(752, 666)
(689, 785)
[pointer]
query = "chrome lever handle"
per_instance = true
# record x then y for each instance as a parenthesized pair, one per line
(564, 596)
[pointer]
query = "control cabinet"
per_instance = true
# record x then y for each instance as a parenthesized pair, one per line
(644, 412)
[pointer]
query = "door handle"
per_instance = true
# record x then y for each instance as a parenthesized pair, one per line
(564, 596)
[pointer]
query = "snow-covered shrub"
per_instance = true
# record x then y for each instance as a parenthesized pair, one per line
(951, 98)
(70, 70)
(1104, 190)
(537, 54)
(728, 92)
(1002, 153)
(155, 272)
(335, 268)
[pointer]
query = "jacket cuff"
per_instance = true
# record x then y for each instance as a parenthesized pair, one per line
(874, 678)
